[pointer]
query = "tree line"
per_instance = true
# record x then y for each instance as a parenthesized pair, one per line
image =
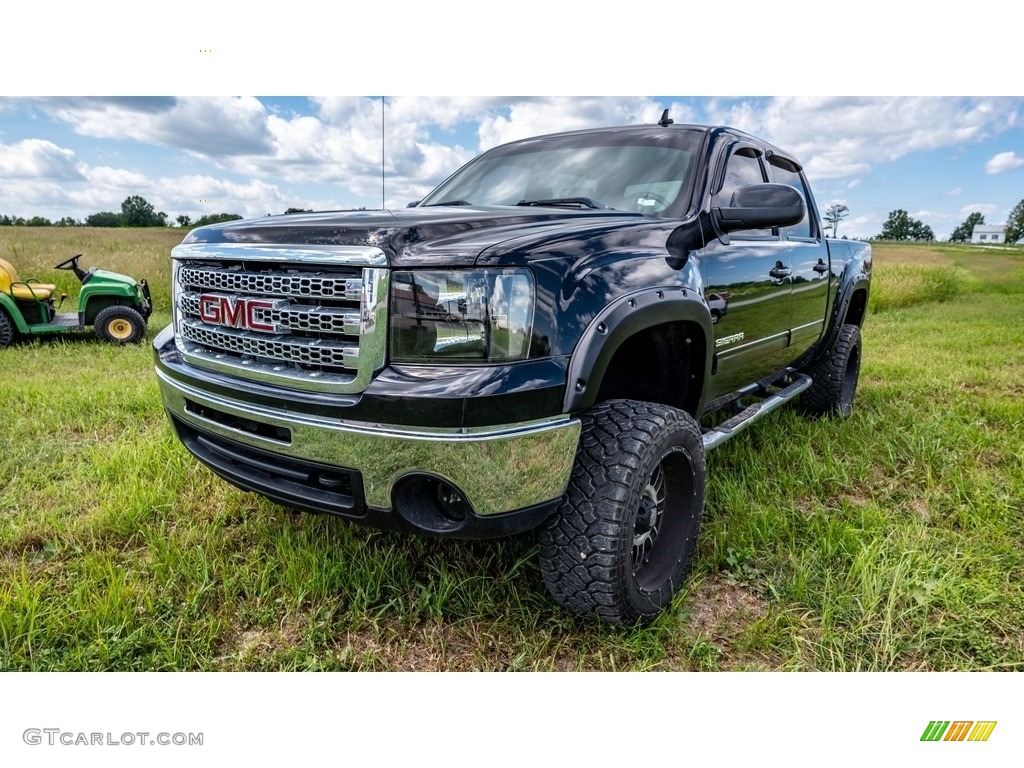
(135, 211)
(901, 226)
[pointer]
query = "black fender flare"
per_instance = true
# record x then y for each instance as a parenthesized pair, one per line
(623, 318)
(856, 276)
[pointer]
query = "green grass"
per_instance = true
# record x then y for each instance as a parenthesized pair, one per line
(889, 541)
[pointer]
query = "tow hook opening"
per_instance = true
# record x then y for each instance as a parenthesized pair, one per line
(431, 504)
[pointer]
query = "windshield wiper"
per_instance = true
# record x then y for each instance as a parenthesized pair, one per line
(449, 202)
(586, 202)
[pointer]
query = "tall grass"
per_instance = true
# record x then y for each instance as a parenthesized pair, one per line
(905, 285)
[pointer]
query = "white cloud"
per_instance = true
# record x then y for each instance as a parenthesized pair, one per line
(104, 177)
(534, 117)
(339, 144)
(253, 198)
(1004, 162)
(38, 159)
(845, 136)
(862, 226)
(989, 210)
(256, 158)
(206, 125)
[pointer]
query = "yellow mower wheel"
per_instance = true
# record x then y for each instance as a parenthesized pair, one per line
(119, 325)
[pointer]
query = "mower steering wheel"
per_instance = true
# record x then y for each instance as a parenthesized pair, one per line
(71, 263)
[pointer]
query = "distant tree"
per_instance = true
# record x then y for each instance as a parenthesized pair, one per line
(215, 218)
(1015, 224)
(835, 214)
(67, 221)
(39, 221)
(136, 211)
(6, 221)
(921, 231)
(183, 220)
(900, 226)
(103, 219)
(298, 210)
(962, 234)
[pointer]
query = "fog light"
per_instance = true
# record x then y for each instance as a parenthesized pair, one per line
(453, 504)
(431, 504)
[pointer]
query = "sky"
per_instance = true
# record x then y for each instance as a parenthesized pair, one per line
(939, 158)
(66, 152)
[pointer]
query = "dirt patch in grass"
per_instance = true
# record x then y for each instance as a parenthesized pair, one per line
(242, 646)
(427, 647)
(25, 544)
(721, 614)
(723, 609)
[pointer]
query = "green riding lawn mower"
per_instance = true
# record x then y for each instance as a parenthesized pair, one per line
(116, 306)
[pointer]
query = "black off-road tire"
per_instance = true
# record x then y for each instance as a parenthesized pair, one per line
(835, 377)
(6, 329)
(624, 536)
(119, 325)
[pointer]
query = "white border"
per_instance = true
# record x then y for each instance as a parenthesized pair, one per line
(514, 720)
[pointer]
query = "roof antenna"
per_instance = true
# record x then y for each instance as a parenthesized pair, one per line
(665, 119)
(382, 198)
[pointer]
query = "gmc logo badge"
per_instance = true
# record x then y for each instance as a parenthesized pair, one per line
(234, 312)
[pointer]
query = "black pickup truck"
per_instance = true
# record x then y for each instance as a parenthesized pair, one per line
(550, 339)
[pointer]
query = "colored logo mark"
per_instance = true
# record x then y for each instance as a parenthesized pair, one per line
(958, 730)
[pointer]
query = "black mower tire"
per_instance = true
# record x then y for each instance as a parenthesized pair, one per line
(7, 329)
(119, 325)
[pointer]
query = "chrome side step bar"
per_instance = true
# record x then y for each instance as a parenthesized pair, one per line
(715, 436)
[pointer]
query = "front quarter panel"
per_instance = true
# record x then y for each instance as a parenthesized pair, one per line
(852, 260)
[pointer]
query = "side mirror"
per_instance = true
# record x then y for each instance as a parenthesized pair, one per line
(759, 206)
(413, 204)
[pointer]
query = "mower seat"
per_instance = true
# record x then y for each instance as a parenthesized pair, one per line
(21, 290)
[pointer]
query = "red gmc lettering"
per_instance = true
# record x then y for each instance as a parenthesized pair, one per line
(234, 313)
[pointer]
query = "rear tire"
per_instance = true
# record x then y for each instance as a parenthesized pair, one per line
(624, 537)
(119, 325)
(835, 377)
(6, 329)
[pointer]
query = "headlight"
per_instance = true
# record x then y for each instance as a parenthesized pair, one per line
(481, 315)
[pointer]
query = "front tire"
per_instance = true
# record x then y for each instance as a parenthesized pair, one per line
(119, 325)
(624, 537)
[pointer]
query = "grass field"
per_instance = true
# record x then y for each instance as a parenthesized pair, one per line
(890, 541)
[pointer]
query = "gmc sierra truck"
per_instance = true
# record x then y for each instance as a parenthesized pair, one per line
(551, 339)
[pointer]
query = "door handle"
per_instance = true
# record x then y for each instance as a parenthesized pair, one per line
(779, 272)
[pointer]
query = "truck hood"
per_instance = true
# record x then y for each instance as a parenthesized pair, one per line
(423, 237)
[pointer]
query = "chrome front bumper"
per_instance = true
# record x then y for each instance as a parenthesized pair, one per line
(497, 469)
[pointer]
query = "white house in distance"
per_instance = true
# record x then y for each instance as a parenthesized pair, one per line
(988, 235)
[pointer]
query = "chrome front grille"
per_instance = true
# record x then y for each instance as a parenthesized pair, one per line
(262, 284)
(307, 318)
(307, 352)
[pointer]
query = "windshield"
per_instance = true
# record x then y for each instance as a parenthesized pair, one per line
(639, 173)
